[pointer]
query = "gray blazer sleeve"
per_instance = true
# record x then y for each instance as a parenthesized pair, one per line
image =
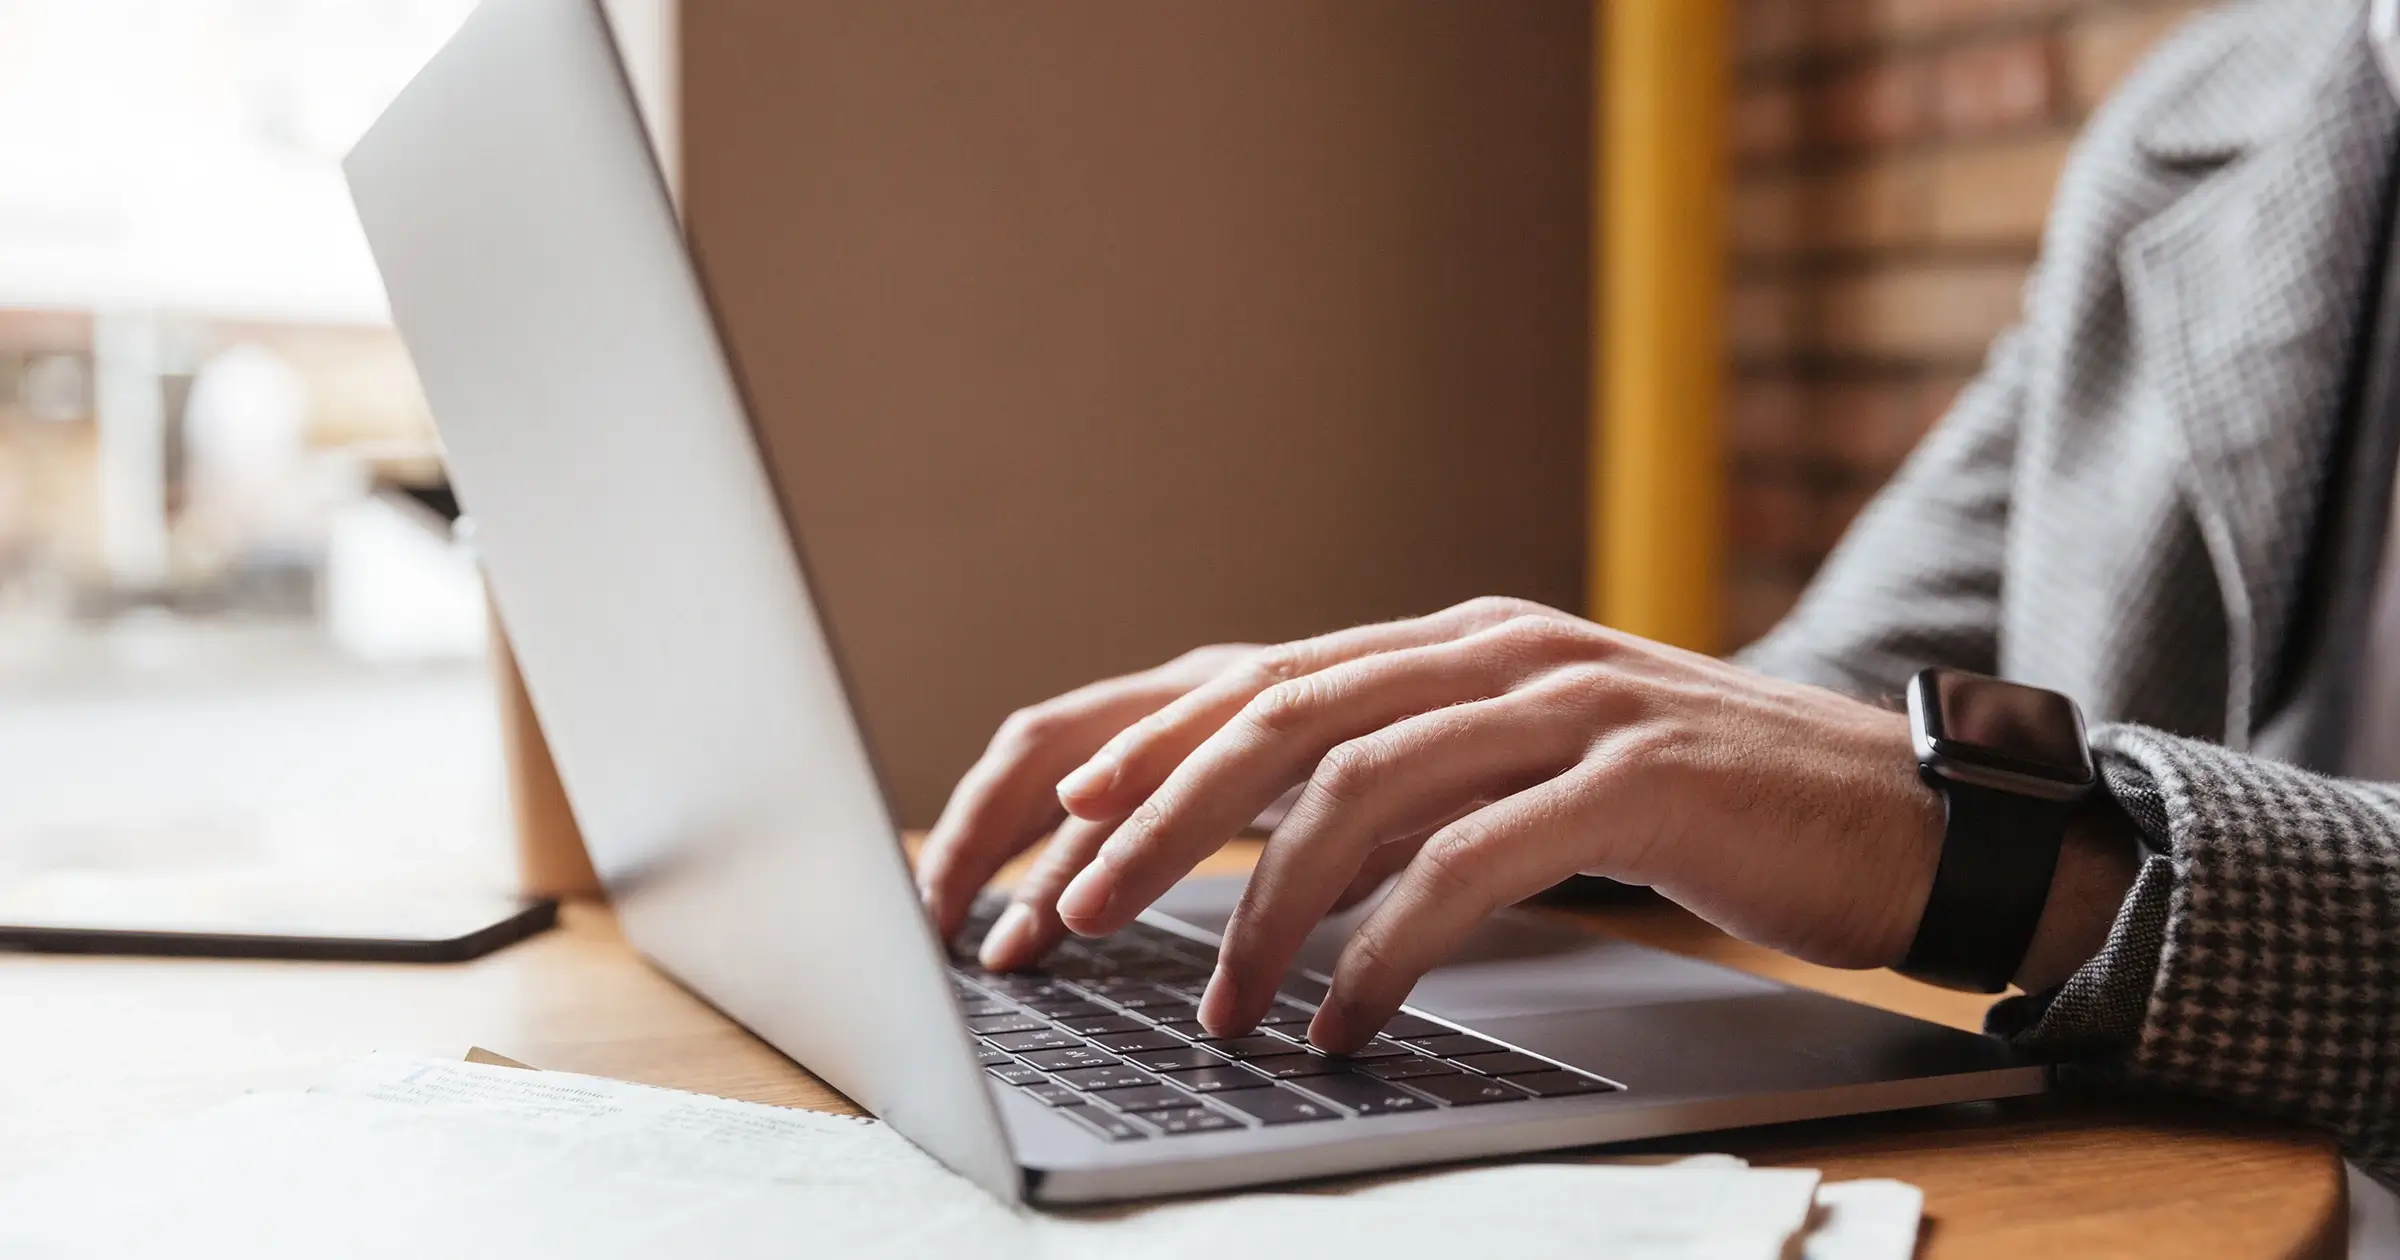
(1916, 580)
(2257, 959)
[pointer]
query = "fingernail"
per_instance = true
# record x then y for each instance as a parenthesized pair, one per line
(1097, 775)
(1007, 938)
(1087, 897)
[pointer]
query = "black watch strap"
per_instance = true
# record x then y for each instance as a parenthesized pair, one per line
(1999, 854)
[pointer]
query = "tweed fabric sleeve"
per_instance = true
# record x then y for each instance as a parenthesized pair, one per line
(1867, 623)
(2257, 958)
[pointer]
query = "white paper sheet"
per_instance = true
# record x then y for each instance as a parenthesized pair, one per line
(403, 1158)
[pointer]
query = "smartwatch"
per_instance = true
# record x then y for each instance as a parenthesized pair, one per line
(2012, 764)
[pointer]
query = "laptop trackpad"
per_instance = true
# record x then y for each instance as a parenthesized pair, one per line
(1516, 964)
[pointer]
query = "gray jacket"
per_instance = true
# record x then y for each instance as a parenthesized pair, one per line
(2126, 507)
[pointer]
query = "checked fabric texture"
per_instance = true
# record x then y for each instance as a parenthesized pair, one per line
(2124, 508)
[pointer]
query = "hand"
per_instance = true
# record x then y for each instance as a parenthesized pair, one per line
(1009, 799)
(1484, 753)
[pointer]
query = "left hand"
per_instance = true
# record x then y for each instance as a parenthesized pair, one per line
(1519, 745)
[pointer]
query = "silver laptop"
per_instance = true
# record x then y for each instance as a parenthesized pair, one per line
(660, 605)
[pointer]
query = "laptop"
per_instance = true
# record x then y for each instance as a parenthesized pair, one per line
(659, 603)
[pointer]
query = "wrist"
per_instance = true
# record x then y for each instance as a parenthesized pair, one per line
(1920, 816)
(2012, 764)
(2097, 864)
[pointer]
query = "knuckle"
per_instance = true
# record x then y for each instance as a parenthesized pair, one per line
(1350, 770)
(1372, 963)
(1585, 688)
(1276, 664)
(1286, 706)
(1027, 727)
(1145, 818)
(1447, 863)
(1485, 611)
(1540, 636)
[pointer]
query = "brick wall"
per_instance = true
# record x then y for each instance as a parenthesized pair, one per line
(1894, 160)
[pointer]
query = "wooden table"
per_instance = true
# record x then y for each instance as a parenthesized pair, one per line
(94, 1048)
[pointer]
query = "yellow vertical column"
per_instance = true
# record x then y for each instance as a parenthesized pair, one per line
(1659, 91)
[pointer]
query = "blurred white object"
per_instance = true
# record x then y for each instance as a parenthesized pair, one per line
(399, 1157)
(247, 421)
(396, 591)
(133, 446)
(179, 156)
(246, 475)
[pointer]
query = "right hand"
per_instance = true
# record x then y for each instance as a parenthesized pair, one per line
(1009, 800)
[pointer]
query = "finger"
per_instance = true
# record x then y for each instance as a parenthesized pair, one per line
(1274, 742)
(1382, 864)
(1494, 857)
(1398, 782)
(1029, 927)
(1130, 767)
(1390, 859)
(1004, 802)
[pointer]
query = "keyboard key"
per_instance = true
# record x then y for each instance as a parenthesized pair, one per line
(1069, 1057)
(1559, 1084)
(1406, 1068)
(1364, 1094)
(1506, 1063)
(1456, 1045)
(1021, 985)
(976, 1008)
(1278, 1106)
(1061, 1006)
(1119, 1076)
(1250, 1046)
(1284, 1067)
(1089, 1024)
(985, 1056)
(1280, 1015)
(1106, 1124)
(1190, 1120)
(1378, 1049)
(1171, 1013)
(1147, 997)
(1462, 1090)
(1210, 1080)
(1014, 1074)
(1040, 1039)
(1176, 1060)
(1052, 1094)
(1407, 1027)
(1185, 1028)
(1147, 1098)
(1144, 1039)
(991, 1025)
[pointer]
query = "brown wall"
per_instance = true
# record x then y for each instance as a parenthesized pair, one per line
(1894, 161)
(1084, 331)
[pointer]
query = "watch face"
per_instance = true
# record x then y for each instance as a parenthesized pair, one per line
(2007, 726)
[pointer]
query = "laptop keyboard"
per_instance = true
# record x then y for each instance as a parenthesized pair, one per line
(1108, 1032)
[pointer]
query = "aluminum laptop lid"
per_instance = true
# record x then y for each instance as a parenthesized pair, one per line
(639, 556)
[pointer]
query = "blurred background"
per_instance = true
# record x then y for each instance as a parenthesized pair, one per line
(1079, 333)
(226, 641)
